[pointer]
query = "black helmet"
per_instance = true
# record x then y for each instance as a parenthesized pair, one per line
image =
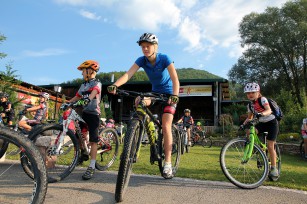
(4, 95)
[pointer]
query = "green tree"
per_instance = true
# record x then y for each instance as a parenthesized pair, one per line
(2, 38)
(276, 54)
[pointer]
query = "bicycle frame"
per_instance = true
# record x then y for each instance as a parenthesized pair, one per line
(252, 139)
(141, 113)
(70, 115)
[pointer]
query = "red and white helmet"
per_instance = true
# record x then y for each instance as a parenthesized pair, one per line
(251, 87)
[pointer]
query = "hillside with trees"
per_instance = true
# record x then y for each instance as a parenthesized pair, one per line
(183, 73)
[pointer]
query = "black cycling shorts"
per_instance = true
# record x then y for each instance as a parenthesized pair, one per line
(271, 127)
(92, 122)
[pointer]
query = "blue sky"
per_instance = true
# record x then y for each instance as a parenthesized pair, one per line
(48, 39)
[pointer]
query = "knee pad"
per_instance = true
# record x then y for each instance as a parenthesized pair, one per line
(169, 109)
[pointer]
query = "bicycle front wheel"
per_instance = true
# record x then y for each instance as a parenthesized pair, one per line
(3, 147)
(60, 163)
(248, 175)
(15, 185)
(175, 154)
(128, 157)
(107, 149)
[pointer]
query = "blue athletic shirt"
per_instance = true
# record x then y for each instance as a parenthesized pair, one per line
(158, 73)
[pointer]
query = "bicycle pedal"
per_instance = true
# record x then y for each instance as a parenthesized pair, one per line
(85, 157)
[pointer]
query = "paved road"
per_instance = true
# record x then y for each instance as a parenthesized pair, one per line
(154, 189)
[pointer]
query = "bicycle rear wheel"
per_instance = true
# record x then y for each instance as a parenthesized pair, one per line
(278, 163)
(15, 185)
(107, 148)
(176, 151)
(127, 158)
(302, 149)
(59, 164)
(206, 142)
(247, 175)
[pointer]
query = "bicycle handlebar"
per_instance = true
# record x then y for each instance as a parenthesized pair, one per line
(134, 94)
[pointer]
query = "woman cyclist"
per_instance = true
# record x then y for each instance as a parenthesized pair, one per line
(267, 121)
(162, 74)
(304, 135)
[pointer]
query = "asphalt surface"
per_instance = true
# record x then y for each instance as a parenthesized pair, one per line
(151, 189)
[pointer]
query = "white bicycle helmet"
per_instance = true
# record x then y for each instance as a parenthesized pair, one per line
(45, 95)
(148, 37)
(251, 87)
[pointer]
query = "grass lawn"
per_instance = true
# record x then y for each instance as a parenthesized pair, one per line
(203, 163)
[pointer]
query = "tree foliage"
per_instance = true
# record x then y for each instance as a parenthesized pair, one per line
(276, 53)
(2, 38)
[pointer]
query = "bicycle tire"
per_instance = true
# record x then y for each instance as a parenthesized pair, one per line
(128, 157)
(302, 150)
(38, 192)
(107, 148)
(59, 166)
(206, 142)
(278, 162)
(247, 175)
(182, 143)
(176, 153)
(3, 147)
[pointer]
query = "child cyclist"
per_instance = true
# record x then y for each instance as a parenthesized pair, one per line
(41, 112)
(267, 121)
(8, 109)
(162, 74)
(187, 121)
(304, 135)
(89, 96)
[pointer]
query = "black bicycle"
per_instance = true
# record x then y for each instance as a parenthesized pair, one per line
(3, 143)
(133, 139)
(14, 183)
(183, 137)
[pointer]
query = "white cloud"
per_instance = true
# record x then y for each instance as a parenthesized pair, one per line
(197, 23)
(190, 31)
(89, 15)
(147, 15)
(44, 53)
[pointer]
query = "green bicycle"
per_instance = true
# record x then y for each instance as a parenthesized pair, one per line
(139, 121)
(245, 161)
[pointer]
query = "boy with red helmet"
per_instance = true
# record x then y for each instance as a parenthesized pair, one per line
(89, 95)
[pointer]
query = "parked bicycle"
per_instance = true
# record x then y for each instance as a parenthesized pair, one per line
(65, 146)
(14, 183)
(200, 138)
(183, 138)
(244, 161)
(133, 139)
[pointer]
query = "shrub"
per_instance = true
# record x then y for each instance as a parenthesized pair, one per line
(289, 137)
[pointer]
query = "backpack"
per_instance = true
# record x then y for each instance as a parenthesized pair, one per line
(276, 110)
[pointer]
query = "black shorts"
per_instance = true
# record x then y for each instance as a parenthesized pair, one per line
(272, 127)
(9, 116)
(92, 122)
